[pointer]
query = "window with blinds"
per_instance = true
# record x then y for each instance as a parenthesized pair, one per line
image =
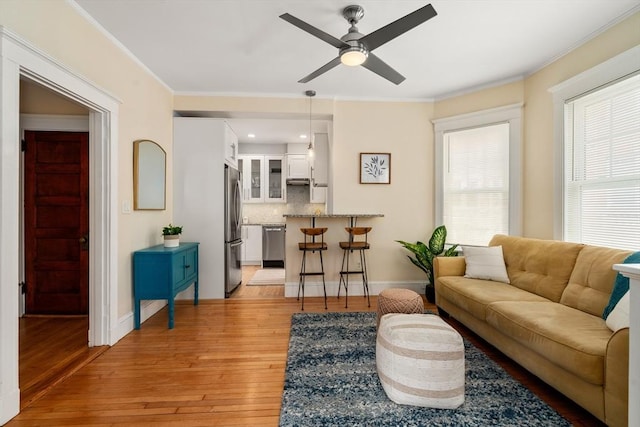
(602, 167)
(476, 183)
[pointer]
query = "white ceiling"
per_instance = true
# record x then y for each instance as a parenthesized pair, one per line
(242, 47)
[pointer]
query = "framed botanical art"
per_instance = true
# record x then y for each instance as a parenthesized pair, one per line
(375, 168)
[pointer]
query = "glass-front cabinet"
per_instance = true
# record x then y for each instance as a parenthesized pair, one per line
(275, 179)
(262, 178)
(252, 181)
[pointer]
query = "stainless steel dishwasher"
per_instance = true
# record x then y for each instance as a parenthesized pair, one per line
(273, 245)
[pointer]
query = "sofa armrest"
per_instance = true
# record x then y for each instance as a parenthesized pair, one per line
(616, 380)
(449, 266)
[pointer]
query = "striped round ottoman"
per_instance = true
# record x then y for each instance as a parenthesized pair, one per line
(420, 361)
(399, 301)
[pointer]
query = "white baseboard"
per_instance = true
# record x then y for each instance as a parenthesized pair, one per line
(314, 289)
(9, 405)
(147, 309)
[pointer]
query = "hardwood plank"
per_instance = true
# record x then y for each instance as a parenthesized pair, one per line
(223, 364)
(51, 349)
(243, 291)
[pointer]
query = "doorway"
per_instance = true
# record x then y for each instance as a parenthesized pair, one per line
(22, 60)
(54, 302)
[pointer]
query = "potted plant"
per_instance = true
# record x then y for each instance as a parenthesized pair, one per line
(424, 255)
(171, 235)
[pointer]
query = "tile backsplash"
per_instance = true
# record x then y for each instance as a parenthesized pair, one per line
(269, 213)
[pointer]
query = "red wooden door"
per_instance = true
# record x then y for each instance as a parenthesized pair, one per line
(56, 220)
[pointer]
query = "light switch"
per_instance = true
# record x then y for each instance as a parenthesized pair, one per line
(126, 207)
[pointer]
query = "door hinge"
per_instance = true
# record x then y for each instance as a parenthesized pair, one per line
(23, 145)
(23, 287)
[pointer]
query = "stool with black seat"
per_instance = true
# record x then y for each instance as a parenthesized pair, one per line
(311, 245)
(348, 247)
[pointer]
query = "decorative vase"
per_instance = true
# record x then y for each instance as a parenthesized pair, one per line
(172, 241)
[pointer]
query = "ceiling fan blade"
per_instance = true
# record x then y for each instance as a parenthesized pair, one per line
(329, 65)
(333, 41)
(378, 66)
(391, 31)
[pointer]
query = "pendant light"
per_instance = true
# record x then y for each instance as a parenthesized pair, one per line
(310, 94)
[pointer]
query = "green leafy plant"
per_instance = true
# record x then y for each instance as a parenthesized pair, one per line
(424, 255)
(171, 230)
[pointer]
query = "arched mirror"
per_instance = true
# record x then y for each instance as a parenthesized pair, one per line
(149, 175)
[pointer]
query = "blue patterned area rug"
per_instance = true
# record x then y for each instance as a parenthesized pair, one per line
(331, 380)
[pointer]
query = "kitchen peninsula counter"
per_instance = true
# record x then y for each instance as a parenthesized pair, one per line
(352, 217)
(336, 233)
(332, 215)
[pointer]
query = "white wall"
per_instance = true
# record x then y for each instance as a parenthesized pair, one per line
(267, 149)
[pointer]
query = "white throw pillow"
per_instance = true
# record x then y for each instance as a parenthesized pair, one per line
(619, 316)
(485, 263)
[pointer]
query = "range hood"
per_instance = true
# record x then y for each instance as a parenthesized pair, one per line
(298, 181)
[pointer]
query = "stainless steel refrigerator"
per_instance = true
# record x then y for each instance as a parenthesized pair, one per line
(232, 229)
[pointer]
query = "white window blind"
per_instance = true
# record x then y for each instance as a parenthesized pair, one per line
(476, 183)
(602, 167)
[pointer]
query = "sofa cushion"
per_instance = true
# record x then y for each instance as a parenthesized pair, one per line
(485, 263)
(542, 267)
(572, 339)
(473, 295)
(592, 279)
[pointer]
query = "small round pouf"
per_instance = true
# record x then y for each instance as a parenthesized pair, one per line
(420, 361)
(399, 301)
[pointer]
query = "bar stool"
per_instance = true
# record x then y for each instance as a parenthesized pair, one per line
(310, 245)
(348, 248)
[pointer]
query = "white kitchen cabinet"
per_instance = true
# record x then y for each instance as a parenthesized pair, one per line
(319, 169)
(297, 166)
(274, 179)
(252, 168)
(320, 160)
(230, 147)
(317, 194)
(262, 179)
(251, 245)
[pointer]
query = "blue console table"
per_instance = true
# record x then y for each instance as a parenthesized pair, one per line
(161, 273)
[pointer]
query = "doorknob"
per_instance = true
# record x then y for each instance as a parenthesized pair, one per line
(84, 242)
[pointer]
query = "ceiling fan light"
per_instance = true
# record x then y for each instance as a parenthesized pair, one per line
(353, 56)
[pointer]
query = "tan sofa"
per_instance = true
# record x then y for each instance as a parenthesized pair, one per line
(549, 318)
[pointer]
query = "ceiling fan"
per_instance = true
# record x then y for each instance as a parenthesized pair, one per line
(356, 48)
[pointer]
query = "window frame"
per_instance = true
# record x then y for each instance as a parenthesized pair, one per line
(511, 114)
(619, 67)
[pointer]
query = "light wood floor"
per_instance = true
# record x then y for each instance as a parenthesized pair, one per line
(51, 349)
(247, 292)
(222, 365)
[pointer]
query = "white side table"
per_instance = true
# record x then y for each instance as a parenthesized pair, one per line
(632, 271)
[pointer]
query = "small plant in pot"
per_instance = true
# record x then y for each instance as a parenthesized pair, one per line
(171, 235)
(424, 255)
